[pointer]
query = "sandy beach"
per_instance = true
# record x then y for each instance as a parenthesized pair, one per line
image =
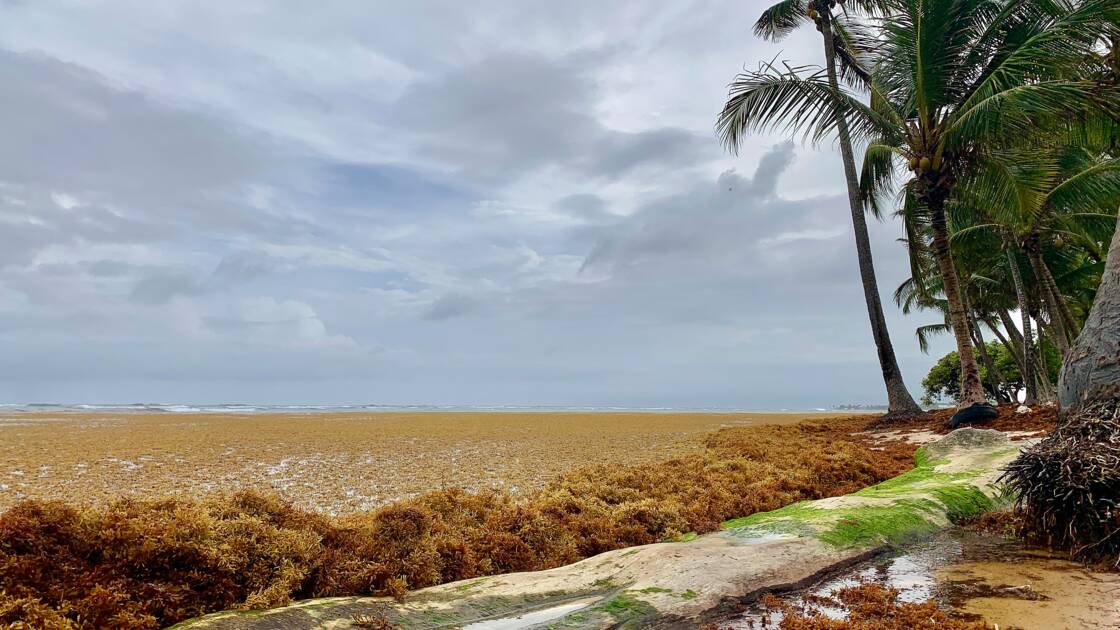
(330, 462)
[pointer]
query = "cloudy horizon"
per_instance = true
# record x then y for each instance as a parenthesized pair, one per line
(420, 203)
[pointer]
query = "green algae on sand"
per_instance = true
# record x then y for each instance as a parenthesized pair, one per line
(902, 509)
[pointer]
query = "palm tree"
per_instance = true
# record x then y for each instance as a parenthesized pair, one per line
(1058, 204)
(958, 81)
(985, 283)
(1091, 372)
(1062, 200)
(841, 49)
(953, 82)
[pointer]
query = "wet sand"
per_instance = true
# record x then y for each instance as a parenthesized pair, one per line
(974, 576)
(330, 462)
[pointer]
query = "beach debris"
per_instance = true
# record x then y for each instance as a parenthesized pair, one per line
(1069, 484)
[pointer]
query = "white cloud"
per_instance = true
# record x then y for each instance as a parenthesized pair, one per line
(802, 235)
(268, 321)
(65, 201)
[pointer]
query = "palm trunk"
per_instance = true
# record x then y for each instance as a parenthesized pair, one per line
(1041, 370)
(994, 375)
(972, 390)
(1068, 321)
(899, 400)
(1061, 335)
(1016, 352)
(1030, 381)
(1091, 373)
(1013, 333)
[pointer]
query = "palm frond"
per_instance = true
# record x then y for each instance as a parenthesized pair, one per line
(877, 175)
(1088, 191)
(853, 46)
(1020, 112)
(923, 333)
(790, 99)
(1048, 58)
(781, 19)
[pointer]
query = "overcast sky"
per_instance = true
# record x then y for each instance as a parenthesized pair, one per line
(418, 202)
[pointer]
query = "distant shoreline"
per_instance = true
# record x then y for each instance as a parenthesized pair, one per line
(334, 409)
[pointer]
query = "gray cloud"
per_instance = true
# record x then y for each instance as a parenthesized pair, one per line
(586, 206)
(450, 305)
(162, 287)
(519, 111)
(711, 225)
(68, 130)
(435, 203)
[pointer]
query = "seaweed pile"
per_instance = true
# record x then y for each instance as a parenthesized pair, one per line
(150, 563)
(870, 607)
(1068, 485)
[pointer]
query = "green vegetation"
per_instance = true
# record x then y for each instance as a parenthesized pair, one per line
(904, 521)
(900, 521)
(998, 119)
(1003, 380)
(624, 608)
(904, 518)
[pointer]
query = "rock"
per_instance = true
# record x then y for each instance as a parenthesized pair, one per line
(1022, 410)
(689, 583)
(960, 441)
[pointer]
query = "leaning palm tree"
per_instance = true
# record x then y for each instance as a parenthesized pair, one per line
(1059, 203)
(842, 52)
(952, 82)
(956, 83)
(984, 282)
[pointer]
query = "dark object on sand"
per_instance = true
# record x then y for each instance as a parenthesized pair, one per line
(1069, 484)
(978, 413)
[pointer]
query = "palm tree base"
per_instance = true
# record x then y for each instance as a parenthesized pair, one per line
(976, 413)
(900, 415)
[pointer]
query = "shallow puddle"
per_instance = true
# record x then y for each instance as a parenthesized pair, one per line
(973, 576)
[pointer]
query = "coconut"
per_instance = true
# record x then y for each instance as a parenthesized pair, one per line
(924, 163)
